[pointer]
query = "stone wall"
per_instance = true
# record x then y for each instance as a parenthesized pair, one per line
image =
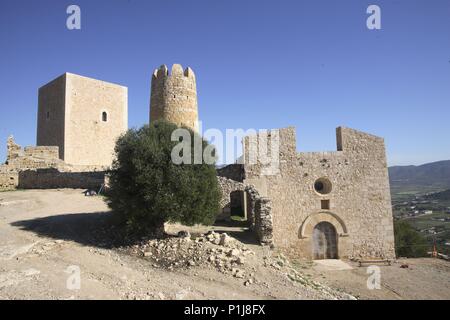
(174, 96)
(83, 117)
(51, 116)
(357, 204)
(227, 186)
(35, 157)
(259, 215)
(13, 150)
(263, 221)
(40, 167)
(54, 179)
(42, 152)
(9, 179)
(17, 158)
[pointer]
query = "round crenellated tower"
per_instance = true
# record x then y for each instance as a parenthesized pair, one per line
(174, 96)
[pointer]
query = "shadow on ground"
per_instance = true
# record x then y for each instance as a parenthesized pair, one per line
(93, 229)
(236, 229)
(245, 236)
(97, 229)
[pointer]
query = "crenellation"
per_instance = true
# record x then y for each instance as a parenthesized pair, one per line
(188, 72)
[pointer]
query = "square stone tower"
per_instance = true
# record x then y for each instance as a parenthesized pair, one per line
(83, 117)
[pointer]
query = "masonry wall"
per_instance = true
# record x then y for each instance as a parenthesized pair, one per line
(42, 152)
(89, 139)
(19, 159)
(40, 167)
(360, 204)
(53, 178)
(9, 179)
(259, 211)
(174, 96)
(227, 186)
(51, 115)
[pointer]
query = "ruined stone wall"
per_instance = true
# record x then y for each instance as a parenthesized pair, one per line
(259, 211)
(358, 203)
(53, 179)
(42, 152)
(264, 221)
(174, 96)
(9, 179)
(30, 157)
(18, 159)
(43, 169)
(227, 186)
(13, 150)
(83, 117)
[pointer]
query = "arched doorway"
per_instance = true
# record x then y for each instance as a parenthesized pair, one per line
(325, 241)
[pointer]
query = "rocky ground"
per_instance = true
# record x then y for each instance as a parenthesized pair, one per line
(46, 236)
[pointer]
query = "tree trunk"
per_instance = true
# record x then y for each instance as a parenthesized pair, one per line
(159, 230)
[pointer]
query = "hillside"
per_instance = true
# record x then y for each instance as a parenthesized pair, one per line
(430, 176)
(421, 195)
(443, 195)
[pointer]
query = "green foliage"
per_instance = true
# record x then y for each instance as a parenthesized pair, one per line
(408, 242)
(147, 189)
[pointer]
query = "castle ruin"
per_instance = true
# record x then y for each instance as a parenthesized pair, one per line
(313, 205)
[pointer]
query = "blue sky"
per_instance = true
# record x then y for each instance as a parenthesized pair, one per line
(259, 64)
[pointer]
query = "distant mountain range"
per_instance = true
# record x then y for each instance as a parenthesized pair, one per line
(435, 175)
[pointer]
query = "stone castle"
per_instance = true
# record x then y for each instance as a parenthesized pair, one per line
(319, 205)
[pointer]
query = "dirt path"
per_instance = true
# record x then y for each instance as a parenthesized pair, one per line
(423, 278)
(44, 232)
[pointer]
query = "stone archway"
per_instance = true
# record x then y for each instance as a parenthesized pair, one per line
(324, 241)
(313, 219)
(307, 230)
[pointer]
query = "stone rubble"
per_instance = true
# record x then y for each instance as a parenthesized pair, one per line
(224, 254)
(282, 264)
(216, 250)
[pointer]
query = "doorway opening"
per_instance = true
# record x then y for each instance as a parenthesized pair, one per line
(325, 241)
(238, 205)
